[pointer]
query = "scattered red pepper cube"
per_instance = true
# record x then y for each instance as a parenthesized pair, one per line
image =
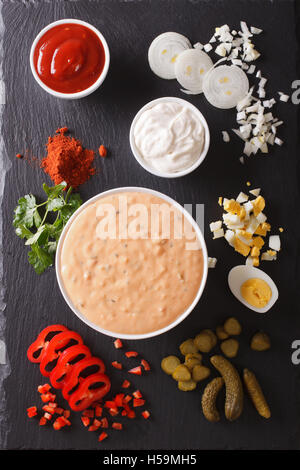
(57, 425)
(127, 399)
(64, 420)
(104, 423)
(88, 413)
(131, 354)
(113, 411)
(48, 416)
(45, 397)
(124, 413)
(131, 414)
(138, 402)
(18, 155)
(32, 411)
(117, 365)
(98, 411)
(43, 421)
(118, 344)
(145, 414)
(49, 409)
(117, 426)
(44, 388)
(85, 420)
(110, 404)
(126, 384)
(93, 428)
(119, 399)
(137, 394)
(136, 370)
(66, 413)
(102, 436)
(102, 151)
(59, 411)
(145, 364)
(52, 405)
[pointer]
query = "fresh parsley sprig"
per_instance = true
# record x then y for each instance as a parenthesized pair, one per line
(30, 222)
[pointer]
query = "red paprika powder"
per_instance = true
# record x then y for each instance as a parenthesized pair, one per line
(67, 160)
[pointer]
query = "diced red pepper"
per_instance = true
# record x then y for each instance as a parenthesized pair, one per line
(119, 399)
(126, 384)
(102, 436)
(66, 413)
(98, 411)
(44, 388)
(118, 344)
(104, 423)
(48, 416)
(138, 402)
(137, 394)
(59, 411)
(117, 426)
(96, 425)
(64, 420)
(45, 397)
(113, 411)
(32, 411)
(124, 413)
(88, 413)
(131, 414)
(145, 414)
(127, 399)
(145, 364)
(57, 425)
(136, 370)
(117, 365)
(43, 421)
(131, 354)
(110, 404)
(49, 409)
(85, 420)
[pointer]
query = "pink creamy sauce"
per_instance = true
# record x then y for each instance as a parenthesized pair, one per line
(130, 286)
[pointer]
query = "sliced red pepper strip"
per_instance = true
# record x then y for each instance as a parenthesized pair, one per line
(36, 348)
(59, 375)
(145, 364)
(84, 396)
(50, 353)
(131, 354)
(77, 369)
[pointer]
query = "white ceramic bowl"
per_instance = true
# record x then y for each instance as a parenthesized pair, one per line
(178, 319)
(142, 161)
(87, 91)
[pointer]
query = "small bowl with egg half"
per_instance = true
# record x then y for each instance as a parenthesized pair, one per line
(169, 137)
(138, 285)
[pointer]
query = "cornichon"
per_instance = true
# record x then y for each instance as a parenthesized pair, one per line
(234, 390)
(209, 398)
(256, 394)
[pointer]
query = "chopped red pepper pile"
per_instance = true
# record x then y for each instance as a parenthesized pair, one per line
(65, 366)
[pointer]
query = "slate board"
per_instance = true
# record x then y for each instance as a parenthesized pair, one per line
(33, 302)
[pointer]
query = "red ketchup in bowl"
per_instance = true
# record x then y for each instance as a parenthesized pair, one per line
(69, 58)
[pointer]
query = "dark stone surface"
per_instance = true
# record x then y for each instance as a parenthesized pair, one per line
(33, 302)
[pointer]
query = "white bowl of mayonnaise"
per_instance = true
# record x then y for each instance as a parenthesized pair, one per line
(169, 137)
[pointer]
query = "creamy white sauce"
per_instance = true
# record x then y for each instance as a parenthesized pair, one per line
(169, 137)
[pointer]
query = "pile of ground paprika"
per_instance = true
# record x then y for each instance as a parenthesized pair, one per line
(67, 160)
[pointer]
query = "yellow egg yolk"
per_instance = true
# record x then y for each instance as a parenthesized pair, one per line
(256, 292)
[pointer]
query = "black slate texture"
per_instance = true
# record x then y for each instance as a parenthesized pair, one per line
(33, 302)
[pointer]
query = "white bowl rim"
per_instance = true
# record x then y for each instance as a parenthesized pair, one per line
(143, 163)
(181, 317)
(95, 85)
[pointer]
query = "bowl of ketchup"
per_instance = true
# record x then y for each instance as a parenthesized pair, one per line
(69, 58)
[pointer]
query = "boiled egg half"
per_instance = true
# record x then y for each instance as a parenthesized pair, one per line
(253, 288)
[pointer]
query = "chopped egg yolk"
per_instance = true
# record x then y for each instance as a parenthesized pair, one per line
(256, 292)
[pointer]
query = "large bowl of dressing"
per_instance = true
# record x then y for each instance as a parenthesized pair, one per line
(131, 263)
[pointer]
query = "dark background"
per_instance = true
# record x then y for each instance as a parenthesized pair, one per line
(33, 302)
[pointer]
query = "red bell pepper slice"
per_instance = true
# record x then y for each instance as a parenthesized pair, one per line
(51, 351)
(74, 376)
(36, 348)
(59, 375)
(84, 396)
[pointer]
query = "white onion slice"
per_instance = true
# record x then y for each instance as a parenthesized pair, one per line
(225, 86)
(163, 53)
(190, 69)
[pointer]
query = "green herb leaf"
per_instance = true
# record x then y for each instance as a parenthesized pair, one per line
(43, 236)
